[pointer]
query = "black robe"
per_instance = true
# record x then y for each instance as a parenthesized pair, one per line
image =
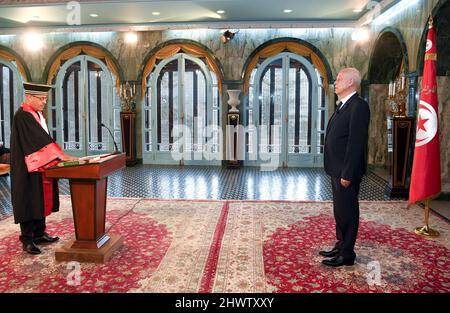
(27, 196)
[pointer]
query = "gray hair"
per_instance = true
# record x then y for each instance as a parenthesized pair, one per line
(354, 74)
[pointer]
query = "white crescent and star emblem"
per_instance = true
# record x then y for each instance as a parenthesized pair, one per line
(427, 124)
(429, 45)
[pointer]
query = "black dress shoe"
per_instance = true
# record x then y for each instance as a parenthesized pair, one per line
(329, 254)
(338, 261)
(31, 248)
(45, 239)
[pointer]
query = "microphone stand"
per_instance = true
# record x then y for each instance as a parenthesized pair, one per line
(116, 150)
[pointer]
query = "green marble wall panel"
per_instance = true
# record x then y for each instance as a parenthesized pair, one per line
(444, 129)
(377, 154)
(335, 44)
(410, 22)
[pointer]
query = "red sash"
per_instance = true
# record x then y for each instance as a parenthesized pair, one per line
(39, 161)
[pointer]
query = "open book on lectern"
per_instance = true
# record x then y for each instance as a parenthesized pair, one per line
(84, 160)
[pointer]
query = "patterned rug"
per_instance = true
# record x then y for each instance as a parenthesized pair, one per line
(235, 246)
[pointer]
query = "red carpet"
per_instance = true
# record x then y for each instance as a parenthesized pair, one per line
(238, 246)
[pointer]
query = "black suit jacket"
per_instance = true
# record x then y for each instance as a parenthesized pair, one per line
(345, 154)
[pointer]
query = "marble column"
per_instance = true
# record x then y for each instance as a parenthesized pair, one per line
(412, 100)
(412, 111)
(365, 87)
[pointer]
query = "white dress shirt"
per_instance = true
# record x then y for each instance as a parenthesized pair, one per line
(345, 99)
(43, 122)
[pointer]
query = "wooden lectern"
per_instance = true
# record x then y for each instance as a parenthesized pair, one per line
(88, 187)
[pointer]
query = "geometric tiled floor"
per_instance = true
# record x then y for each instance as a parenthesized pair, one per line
(200, 182)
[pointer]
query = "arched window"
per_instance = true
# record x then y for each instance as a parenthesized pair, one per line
(85, 97)
(11, 97)
(286, 112)
(181, 113)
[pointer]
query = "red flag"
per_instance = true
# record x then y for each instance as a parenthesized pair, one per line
(426, 171)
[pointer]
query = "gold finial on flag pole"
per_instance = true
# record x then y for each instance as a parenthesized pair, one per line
(426, 230)
(430, 22)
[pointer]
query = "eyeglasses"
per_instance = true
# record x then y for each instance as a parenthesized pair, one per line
(42, 98)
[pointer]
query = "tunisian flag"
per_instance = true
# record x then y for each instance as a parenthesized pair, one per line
(426, 171)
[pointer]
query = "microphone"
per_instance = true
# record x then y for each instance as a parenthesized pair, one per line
(116, 150)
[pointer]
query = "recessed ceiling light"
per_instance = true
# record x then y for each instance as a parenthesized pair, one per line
(33, 41)
(93, 15)
(220, 11)
(361, 34)
(287, 11)
(131, 38)
(357, 10)
(156, 13)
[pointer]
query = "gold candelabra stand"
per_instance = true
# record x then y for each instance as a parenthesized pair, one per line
(128, 96)
(397, 97)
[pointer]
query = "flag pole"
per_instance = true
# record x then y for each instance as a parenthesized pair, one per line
(426, 230)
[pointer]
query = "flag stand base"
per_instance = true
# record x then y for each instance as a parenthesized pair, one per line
(426, 231)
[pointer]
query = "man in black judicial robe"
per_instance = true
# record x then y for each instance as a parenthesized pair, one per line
(33, 196)
(345, 160)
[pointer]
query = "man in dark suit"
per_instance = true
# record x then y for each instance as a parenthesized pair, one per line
(345, 161)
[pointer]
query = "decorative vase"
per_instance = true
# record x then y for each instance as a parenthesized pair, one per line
(233, 101)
